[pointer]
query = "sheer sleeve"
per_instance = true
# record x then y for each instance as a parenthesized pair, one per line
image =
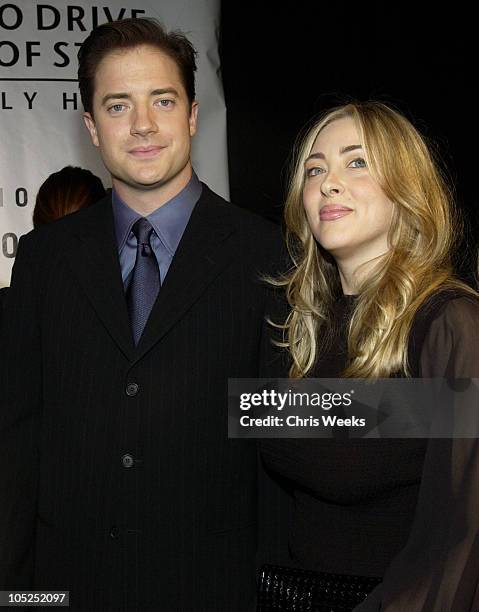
(451, 347)
(438, 569)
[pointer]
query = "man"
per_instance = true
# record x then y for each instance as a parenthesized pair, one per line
(125, 320)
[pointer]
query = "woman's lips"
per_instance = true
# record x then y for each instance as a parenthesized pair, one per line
(146, 151)
(331, 213)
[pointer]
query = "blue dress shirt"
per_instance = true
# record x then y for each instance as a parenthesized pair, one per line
(169, 222)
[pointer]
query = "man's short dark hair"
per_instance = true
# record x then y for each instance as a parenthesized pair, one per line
(127, 34)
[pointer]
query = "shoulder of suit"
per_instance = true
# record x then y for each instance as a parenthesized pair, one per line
(261, 241)
(62, 229)
(245, 219)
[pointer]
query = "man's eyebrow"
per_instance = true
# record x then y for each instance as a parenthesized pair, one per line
(164, 90)
(122, 95)
(115, 96)
(341, 151)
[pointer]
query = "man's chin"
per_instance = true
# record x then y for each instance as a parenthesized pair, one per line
(142, 184)
(149, 182)
(149, 185)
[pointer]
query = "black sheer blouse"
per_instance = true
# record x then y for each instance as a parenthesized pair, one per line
(404, 510)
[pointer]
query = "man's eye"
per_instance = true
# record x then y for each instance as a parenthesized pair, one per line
(166, 103)
(117, 108)
(359, 162)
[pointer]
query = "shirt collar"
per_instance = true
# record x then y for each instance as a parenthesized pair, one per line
(169, 221)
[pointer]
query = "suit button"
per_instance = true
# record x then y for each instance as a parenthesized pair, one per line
(127, 461)
(132, 389)
(114, 533)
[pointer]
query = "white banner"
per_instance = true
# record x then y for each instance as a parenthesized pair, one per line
(40, 108)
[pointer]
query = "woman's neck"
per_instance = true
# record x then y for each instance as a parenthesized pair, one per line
(353, 274)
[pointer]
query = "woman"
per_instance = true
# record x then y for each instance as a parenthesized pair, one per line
(370, 230)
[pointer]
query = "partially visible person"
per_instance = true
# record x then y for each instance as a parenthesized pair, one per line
(63, 192)
(372, 294)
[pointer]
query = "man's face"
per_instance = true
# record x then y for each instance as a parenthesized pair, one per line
(142, 122)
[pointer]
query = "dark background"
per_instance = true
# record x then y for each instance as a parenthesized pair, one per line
(284, 63)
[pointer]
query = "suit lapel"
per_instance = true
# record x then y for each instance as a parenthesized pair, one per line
(94, 259)
(206, 248)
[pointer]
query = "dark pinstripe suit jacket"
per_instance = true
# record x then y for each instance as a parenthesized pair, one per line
(3, 295)
(117, 479)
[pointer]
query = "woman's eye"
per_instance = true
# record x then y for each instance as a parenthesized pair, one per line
(359, 162)
(314, 171)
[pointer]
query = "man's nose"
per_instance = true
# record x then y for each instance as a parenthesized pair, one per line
(143, 121)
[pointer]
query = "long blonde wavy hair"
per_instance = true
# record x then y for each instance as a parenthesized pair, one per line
(422, 235)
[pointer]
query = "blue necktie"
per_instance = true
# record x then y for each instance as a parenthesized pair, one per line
(145, 279)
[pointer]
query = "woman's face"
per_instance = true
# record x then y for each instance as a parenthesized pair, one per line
(347, 210)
